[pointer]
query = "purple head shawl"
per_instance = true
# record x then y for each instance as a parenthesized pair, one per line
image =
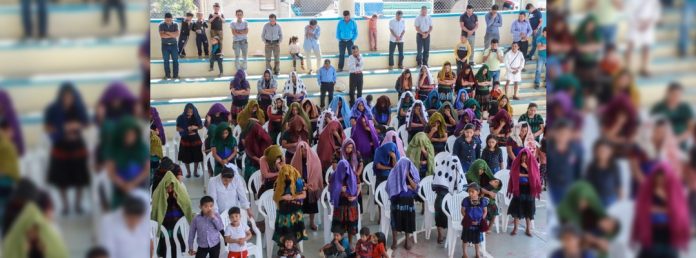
(355, 113)
(344, 174)
(158, 123)
(397, 181)
(8, 112)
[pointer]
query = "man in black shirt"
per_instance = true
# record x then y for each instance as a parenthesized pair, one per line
(169, 31)
(200, 26)
(468, 22)
(216, 19)
(184, 34)
(535, 21)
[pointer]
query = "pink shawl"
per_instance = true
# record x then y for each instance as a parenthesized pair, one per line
(314, 179)
(533, 172)
(399, 144)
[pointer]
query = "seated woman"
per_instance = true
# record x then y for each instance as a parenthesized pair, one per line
(349, 153)
(297, 131)
(276, 112)
(312, 112)
(449, 115)
(426, 83)
(420, 150)
(472, 104)
(170, 202)
(363, 131)
(462, 97)
(187, 124)
(295, 89)
(330, 139)
(416, 119)
(480, 173)
(307, 163)
(382, 111)
(270, 165)
(405, 103)
(466, 80)
(502, 103)
(404, 82)
(127, 159)
(344, 190)
(433, 103)
(483, 88)
(295, 109)
(386, 157)
(216, 114)
(252, 112)
(446, 80)
(437, 132)
(401, 188)
(501, 126)
(519, 136)
(256, 140)
(392, 136)
(468, 117)
(450, 179)
(240, 89)
(265, 90)
(224, 147)
(341, 109)
(33, 235)
(290, 192)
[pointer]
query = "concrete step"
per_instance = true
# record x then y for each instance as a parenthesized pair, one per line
(70, 55)
(75, 20)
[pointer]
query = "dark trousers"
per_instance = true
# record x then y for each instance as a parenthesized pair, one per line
(422, 49)
(342, 47)
(534, 41)
(42, 18)
(355, 82)
(524, 46)
(215, 58)
(460, 66)
(183, 39)
(120, 10)
(392, 46)
(202, 41)
(326, 87)
(213, 251)
(170, 52)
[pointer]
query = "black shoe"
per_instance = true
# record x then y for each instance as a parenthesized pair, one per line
(176, 77)
(472, 63)
(536, 86)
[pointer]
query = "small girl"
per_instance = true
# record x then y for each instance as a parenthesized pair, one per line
(474, 214)
(216, 54)
(492, 154)
(379, 241)
(289, 250)
(294, 48)
(372, 30)
(364, 246)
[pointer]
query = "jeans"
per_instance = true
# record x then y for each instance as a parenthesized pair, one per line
(240, 47)
(170, 51)
(608, 34)
(355, 82)
(422, 50)
(27, 17)
(202, 42)
(274, 49)
(343, 45)
(392, 46)
(541, 61)
(183, 39)
(316, 50)
(495, 75)
(215, 58)
(534, 39)
(471, 40)
(120, 9)
(326, 87)
(203, 252)
(688, 10)
(488, 37)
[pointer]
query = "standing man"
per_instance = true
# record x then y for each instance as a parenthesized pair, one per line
(216, 19)
(535, 20)
(424, 25)
(541, 59)
(271, 36)
(311, 43)
(492, 57)
(169, 31)
(326, 77)
(184, 35)
(240, 29)
(469, 23)
(355, 81)
(346, 33)
(41, 18)
(397, 28)
(688, 10)
(493, 23)
(521, 30)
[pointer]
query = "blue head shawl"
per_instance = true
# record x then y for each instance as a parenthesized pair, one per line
(344, 109)
(458, 103)
(434, 95)
(182, 120)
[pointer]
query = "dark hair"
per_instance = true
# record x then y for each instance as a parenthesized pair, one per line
(474, 185)
(399, 12)
(424, 7)
(167, 15)
(529, 6)
(544, 29)
(469, 126)
(469, 7)
(189, 14)
(496, 83)
(327, 61)
(206, 199)
(355, 47)
(531, 105)
(600, 142)
(364, 231)
(227, 172)
(238, 11)
(494, 41)
(233, 210)
(494, 7)
(134, 206)
(97, 252)
(272, 16)
(491, 136)
(380, 237)
(674, 86)
(368, 98)
(313, 22)
(346, 13)
(608, 47)
(515, 43)
(562, 123)
(289, 237)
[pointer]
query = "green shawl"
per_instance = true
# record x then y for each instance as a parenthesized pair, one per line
(414, 151)
(15, 244)
(583, 37)
(220, 143)
(9, 163)
(160, 195)
(301, 112)
(437, 117)
(155, 145)
(121, 154)
(568, 208)
(472, 102)
(271, 154)
(245, 116)
(479, 75)
(569, 82)
(472, 174)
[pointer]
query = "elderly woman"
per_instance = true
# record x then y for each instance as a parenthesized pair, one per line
(402, 187)
(308, 164)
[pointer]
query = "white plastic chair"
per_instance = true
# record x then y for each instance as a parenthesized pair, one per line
(505, 157)
(265, 126)
(236, 132)
(327, 176)
(369, 177)
(176, 140)
(625, 175)
(503, 200)
(347, 132)
(485, 131)
(267, 208)
(384, 203)
(623, 212)
(403, 133)
(425, 192)
(154, 226)
(254, 248)
(450, 143)
(100, 182)
(327, 210)
(253, 187)
(182, 226)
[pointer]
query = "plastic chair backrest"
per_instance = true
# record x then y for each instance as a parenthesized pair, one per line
(265, 126)
(236, 132)
(450, 143)
(267, 206)
(181, 226)
(485, 131)
(254, 184)
(504, 177)
(382, 198)
(623, 211)
(505, 155)
(369, 176)
(326, 200)
(327, 175)
(425, 189)
(452, 205)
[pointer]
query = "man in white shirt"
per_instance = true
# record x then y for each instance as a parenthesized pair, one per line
(424, 25)
(228, 190)
(126, 231)
(355, 67)
(397, 28)
(514, 63)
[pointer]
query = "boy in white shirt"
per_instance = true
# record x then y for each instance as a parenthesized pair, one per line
(236, 235)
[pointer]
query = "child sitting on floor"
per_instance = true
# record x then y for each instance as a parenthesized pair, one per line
(364, 246)
(289, 250)
(379, 241)
(337, 248)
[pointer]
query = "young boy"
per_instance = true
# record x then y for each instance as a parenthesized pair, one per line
(207, 225)
(199, 26)
(363, 248)
(462, 51)
(184, 35)
(236, 235)
(337, 248)
(466, 149)
(289, 250)
(216, 54)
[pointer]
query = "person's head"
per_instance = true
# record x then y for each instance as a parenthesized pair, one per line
(473, 189)
(206, 205)
(364, 233)
(327, 63)
(215, 40)
(134, 210)
(485, 70)
(495, 183)
(522, 16)
(562, 129)
(494, 8)
(543, 32)
(467, 69)
(337, 236)
(289, 241)
(609, 225)
(469, 9)
(494, 43)
(448, 66)
(189, 16)
(406, 73)
(417, 108)
(346, 15)
(239, 13)
(523, 157)
(603, 151)
(199, 15)
(278, 102)
(463, 39)
(349, 148)
(503, 101)
(674, 92)
(379, 238)
(361, 106)
(369, 98)
(272, 19)
(399, 13)
(97, 252)
(569, 235)
(424, 10)
(168, 17)
(515, 47)
(491, 141)
(294, 110)
(530, 7)
(356, 50)
(531, 109)
(469, 131)
(216, 7)
(293, 76)
(660, 130)
(293, 40)
(227, 175)
(235, 215)
(524, 130)
(313, 22)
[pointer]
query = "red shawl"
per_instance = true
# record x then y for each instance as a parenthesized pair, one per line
(256, 141)
(532, 171)
(327, 146)
(314, 180)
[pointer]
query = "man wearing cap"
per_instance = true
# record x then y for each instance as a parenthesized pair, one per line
(216, 19)
(397, 28)
(271, 35)
(169, 32)
(468, 22)
(228, 190)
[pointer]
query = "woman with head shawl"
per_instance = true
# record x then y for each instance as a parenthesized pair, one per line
(240, 89)
(308, 164)
(33, 235)
(467, 117)
(472, 104)
(330, 140)
(561, 107)
(127, 159)
(503, 103)
(589, 36)
(340, 107)
(64, 121)
(256, 141)
(7, 111)
(404, 82)
(295, 109)
(393, 136)
(623, 83)
(266, 88)
(524, 186)
(405, 103)
(420, 150)
(437, 132)
(518, 140)
(466, 80)
(619, 120)
(325, 118)
(449, 114)
(432, 104)
(9, 164)
(216, 114)
(115, 102)
(344, 190)
(157, 136)
(661, 225)
(312, 112)
(462, 96)
(581, 206)
(483, 87)
(351, 154)
(426, 83)
(382, 111)
(224, 147)
(170, 202)
(416, 119)
(276, 113)
(297, 131)
(363, 131)
(480, 173)
(167, 166)
(501, 125)
(251, 112)
(446, 80)
(187, 124)
(295, 90)
(402, 186)
(449, 178)
(385, 159)
(289, 193)
(270, 164)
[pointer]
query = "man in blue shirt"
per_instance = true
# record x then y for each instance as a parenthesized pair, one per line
(493, 23)
(535, 20)
(326, 77)
(346, 33)
(521, 31)
(169, 31)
